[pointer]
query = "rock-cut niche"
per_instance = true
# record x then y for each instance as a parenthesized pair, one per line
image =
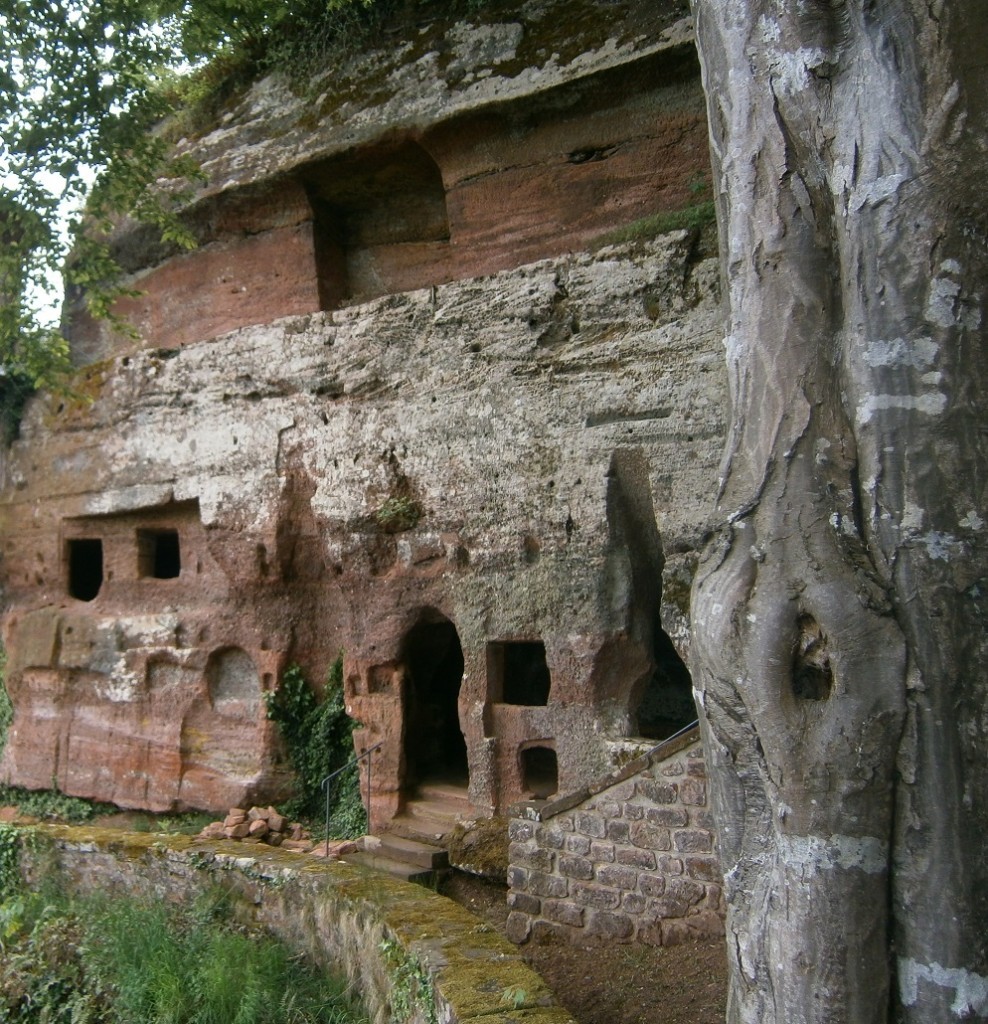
(539, 770)
(518, 673)
(379, 222)
(432, 659)
(232, 682)
(85, 567)
(222, 732)
(660, 698)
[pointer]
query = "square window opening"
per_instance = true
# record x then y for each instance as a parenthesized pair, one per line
(158, 554)
(518, 673)
(539, 771)
(85, 563)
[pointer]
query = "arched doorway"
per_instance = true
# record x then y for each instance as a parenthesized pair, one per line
(435, 749)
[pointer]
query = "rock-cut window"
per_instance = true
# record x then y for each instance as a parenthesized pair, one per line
(158, 554)
(85, 565)
(518, 672)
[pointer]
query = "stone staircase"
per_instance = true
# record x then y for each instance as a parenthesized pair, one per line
(412, 846)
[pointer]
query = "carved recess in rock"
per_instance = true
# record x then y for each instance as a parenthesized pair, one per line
(471, 194)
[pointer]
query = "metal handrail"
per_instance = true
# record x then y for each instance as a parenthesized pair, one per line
(364, 754)
(675, 736)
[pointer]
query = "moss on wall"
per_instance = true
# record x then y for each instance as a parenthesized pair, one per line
(414, 955)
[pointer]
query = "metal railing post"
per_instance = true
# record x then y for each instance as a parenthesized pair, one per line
(370, 826)
(364, 755)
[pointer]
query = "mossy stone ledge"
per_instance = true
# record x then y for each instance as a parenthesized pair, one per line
(413, 955)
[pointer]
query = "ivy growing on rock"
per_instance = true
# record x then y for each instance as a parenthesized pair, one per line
(9, 860)
(317, 736)
(6, 708)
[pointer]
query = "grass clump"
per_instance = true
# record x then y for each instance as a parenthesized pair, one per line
(694, 217)
(318, 738)
(10, 860)
(102, 959)
(398, 514)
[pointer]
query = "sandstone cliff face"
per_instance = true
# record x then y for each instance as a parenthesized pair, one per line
(398, 405)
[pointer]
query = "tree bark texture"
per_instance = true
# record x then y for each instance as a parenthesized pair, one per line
(840, 644)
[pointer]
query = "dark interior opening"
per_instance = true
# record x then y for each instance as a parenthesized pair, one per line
(666, 703)
(519, 672)
(158, 554)
(434, 744)
(369, 204)
(812, 673)
(539, 772)
(85, 568)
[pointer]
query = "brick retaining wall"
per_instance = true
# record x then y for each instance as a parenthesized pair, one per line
(630, 859)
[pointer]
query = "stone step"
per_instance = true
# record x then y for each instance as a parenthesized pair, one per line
(397, 868)
(411, 851)
(439, 809)
(421, 829)
(443, 792)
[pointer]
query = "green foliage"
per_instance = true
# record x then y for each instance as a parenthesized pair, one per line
(83, 84)
(398, 514)
(412, 991)
(79, 94)
(105, 959)
(515, 996)
(248, 37)
(317, 736)
(10, 876)
(51, 805)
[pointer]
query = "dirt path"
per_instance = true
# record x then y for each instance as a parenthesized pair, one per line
(615, 984)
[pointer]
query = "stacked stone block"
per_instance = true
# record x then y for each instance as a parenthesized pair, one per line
(630, 859)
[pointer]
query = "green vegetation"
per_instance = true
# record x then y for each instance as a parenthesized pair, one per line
(317, 736)
(82, 85)
(515, 996)
(51, 805)
(189, 824)
(411, 984)
(700, 214)
(398, 514)
(694, 217)
(6, 708)
(9, 865)
(103, 959)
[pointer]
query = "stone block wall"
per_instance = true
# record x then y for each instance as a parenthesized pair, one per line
(630, 859)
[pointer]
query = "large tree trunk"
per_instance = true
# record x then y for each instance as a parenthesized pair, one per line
(840, 652)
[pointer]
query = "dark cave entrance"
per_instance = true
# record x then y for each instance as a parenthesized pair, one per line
(434, 745)
(85, 559)
(665, 704)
